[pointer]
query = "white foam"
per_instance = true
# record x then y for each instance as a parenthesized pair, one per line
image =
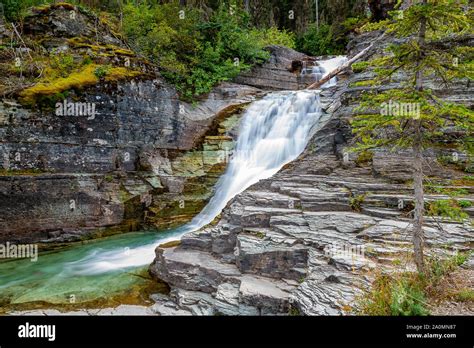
(274, 131)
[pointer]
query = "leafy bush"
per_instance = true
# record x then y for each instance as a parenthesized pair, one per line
(317, 43)
(329, 39)
(273, 36)
(407, 299)
(11, 9)
(394, 295)
(195, 54)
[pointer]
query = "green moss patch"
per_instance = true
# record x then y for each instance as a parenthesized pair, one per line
(81, 79)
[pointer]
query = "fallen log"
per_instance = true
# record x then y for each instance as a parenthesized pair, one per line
(346, 65)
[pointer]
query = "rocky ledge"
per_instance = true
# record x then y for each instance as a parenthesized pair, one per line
(311, 239)
(146, 160)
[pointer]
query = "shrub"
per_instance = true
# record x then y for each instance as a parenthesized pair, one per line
(447, 208)
(356, 202)
(273, 36)
(407, 298)
(406, 293)
(317, 43)
(394, 295)
(196, 54)
(329, 39)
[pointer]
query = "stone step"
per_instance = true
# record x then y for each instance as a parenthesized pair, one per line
(192, 269)
(383, 213)
(263, 256)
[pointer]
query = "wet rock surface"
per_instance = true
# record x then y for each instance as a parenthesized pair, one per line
(305, 241)
(145, 159)
(139, 162)
(310, 239)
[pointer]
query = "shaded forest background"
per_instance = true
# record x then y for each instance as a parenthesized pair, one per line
(197, 44)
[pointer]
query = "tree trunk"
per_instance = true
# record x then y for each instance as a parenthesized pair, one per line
(418, 235)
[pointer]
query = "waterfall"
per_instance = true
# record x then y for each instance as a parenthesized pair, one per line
(274, 131)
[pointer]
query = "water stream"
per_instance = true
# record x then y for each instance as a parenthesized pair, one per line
(274, 131)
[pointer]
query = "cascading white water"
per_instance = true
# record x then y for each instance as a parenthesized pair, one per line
(330, 65)
(274, 131)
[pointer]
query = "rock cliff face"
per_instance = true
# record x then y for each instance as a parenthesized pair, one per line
(310, 239)
(145, 159)
(68, 176)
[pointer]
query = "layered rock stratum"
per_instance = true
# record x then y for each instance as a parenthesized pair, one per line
(311, 239)
(150, 160)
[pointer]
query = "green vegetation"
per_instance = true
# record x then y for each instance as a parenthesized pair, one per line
(420, 119)
(364, 83)
(109, 178)
(170, 244)
(259, 234)
(355, 202)
(293, 311)
(195, 54)
(465, 295)
(364, 157)
(31, 171)
(319, 42)
(464, 203)
(101, 71)
(328, 39)
(449, 209)
(196, 45)
(407, 293)
(86, 76)
(360, 66)
(394, 295)
(442, 189)
(60, 64)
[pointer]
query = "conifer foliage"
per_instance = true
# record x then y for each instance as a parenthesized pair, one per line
(413, 116)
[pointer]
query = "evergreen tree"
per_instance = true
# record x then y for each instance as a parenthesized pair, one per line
(413, 116)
